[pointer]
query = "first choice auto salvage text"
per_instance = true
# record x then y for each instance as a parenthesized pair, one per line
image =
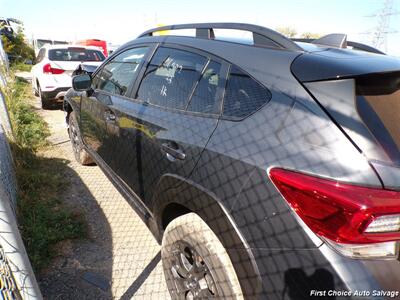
(356, 293)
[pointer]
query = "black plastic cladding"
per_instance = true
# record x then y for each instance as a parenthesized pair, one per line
(225, 171)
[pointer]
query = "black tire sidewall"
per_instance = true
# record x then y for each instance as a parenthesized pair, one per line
(207, 245)
(43, 99)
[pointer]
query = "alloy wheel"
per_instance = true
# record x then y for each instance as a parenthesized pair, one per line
(192, 277)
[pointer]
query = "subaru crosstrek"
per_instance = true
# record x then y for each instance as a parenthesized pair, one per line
(266, 168)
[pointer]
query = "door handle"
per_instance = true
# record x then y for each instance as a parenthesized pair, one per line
(109, 116)
(172, 152)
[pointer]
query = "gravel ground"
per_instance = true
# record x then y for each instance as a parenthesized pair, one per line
(120, 258)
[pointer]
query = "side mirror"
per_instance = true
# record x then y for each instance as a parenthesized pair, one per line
(81, 83)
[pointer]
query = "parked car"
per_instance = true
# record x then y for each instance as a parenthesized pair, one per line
(51, 76)
(268, 169)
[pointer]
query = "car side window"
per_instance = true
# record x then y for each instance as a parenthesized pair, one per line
(170, 78)
(117, 75)
(243, 94)
(205, 98)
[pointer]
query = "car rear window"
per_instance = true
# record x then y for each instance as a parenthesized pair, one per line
(378, 104)
(243, 95)
(75, 54)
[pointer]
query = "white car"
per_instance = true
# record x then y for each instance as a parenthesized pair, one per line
(52, 74)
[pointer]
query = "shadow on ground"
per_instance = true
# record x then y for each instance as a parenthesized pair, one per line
(82, 269)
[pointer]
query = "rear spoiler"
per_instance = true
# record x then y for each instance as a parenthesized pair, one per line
(339, 40)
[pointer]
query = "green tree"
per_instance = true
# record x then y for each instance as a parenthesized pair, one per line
(17, 49)
(289, 32)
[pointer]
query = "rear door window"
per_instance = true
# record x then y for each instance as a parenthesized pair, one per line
(206, 98)
(243, 95)
(117, 75)
(75, 54)
(170, 78)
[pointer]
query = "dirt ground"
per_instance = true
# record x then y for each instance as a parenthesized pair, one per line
(120, 259)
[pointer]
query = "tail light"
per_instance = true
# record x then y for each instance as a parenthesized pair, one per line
(48, 69)
(357, 221)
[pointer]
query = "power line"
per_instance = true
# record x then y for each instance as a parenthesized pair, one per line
(379, 36)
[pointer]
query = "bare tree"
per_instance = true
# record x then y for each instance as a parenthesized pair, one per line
(310, 35)
(289, 32)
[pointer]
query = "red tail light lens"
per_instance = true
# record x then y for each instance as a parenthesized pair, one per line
(344, 213)
(48, 69)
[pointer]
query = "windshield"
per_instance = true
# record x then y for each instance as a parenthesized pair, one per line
(75, 54)
(378, 104)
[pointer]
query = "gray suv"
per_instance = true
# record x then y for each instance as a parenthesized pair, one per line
(266, 168)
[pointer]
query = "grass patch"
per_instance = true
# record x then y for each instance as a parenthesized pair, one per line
(29, 129)
(43, 220)
(20, 66)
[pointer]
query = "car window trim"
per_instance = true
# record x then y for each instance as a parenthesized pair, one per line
(132, 83)
(238, 119)
(165, 45)
(115, 53)
(208, 56)
(142, 71)
(220, 92)
(197, 83)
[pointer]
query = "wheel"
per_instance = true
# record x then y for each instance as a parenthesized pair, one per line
(45, 102)
(196, 264)
(81, 155)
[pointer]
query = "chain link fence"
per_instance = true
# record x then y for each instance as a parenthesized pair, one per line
(17, 280)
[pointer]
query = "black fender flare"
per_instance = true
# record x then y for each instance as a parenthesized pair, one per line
(172, 189)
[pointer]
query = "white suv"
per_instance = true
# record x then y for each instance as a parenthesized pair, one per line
(52, 74)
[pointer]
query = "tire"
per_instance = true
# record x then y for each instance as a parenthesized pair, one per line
(81, 155)
(46, 103)
(188, 239)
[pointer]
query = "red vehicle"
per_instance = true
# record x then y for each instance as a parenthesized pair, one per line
(95, 42)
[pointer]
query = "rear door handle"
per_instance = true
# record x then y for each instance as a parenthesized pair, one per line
(172, 152)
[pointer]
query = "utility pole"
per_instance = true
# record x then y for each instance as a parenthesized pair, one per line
(380, 33)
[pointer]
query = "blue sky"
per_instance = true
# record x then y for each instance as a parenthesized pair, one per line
(118, 21)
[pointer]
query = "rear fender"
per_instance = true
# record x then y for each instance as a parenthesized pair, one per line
(172, 189)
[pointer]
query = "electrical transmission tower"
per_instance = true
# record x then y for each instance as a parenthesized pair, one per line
(379, 35)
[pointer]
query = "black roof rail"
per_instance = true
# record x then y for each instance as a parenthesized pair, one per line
(262, 36)
(354, 45)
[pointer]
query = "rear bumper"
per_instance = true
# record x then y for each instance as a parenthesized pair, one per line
(57, 94)
(321, 272)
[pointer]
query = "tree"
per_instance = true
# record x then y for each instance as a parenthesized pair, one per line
(289, 32)
(16, 48)
(310, 35)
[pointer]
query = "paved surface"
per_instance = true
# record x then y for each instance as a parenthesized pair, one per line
(120, 259)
